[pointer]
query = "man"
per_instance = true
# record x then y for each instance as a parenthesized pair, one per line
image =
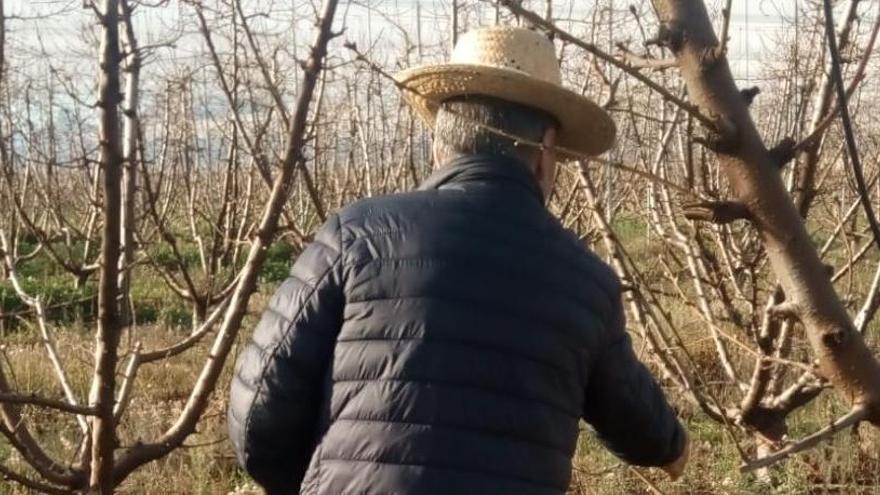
(449, 340)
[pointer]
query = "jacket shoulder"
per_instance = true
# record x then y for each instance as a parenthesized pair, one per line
(380, 214)
(362, 209)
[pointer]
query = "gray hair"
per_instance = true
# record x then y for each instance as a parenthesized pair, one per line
(470, 124)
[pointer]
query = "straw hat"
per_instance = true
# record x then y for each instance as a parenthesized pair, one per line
(517, 65)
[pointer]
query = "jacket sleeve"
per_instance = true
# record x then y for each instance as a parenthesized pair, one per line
(279, 378)
(626, 406)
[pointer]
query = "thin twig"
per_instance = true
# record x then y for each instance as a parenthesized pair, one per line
(851, 147)
(642, 62)
(857, 78)
(651, 486)
(187, 343)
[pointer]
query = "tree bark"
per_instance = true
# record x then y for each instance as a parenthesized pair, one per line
(106, 348)
(843, 357)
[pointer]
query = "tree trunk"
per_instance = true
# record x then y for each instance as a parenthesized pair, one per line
(106, 348)
(843, 357)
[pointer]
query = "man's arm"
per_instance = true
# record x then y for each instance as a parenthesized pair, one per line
(276, 390)
(626, 406)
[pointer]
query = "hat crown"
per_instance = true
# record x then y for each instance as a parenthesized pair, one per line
(511, 48)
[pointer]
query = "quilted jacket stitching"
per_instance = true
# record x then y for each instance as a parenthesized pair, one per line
(458, 469)
(449, 383)
(544, 445)
(277, 345)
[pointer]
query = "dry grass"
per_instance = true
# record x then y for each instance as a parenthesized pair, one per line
(206, 465)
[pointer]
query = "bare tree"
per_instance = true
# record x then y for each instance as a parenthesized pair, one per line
(806, 294)
(102, 467)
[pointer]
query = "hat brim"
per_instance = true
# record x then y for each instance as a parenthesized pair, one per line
(584, 127)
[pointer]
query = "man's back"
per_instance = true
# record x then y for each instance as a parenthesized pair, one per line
(447, 340)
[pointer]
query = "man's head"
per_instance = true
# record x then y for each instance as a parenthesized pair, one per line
(482, 124)
(508, 64)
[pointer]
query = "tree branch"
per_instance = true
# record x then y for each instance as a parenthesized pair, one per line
(10, 475)
(853, 417)
(719, 212)
(852, 149)
(36, 400)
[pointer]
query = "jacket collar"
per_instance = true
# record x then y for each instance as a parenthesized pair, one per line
(485, 168)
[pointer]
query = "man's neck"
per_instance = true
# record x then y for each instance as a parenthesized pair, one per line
(445, 161)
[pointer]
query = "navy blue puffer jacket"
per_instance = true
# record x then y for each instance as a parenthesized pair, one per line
(443, 341)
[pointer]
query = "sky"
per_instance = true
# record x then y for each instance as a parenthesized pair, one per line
(53, 23)
(64, 28)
